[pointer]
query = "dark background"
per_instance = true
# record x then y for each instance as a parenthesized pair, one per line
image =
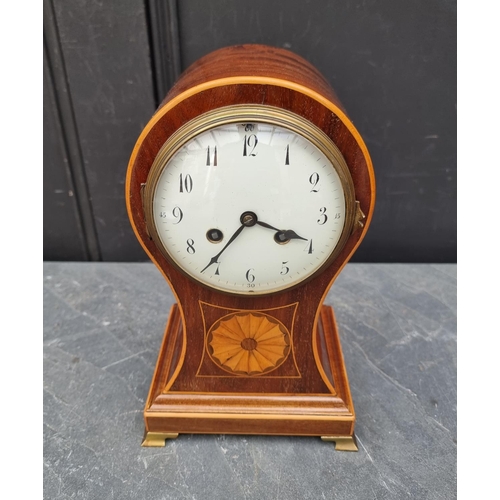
(107, 65)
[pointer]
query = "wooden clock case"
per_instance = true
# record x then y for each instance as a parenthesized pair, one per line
(306, 393)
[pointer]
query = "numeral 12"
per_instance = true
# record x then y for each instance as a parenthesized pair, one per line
(250, 141)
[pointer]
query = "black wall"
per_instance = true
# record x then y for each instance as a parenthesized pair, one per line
(108, 64)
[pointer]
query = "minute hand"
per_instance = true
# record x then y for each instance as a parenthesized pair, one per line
(214, 259)
(288, 234)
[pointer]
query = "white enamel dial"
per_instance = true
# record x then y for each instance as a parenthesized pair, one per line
(249, 208)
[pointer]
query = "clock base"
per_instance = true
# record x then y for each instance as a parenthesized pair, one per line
(330, 416)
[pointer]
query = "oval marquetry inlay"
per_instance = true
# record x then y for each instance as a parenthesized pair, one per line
(248, 343)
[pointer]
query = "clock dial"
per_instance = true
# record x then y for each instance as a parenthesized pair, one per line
(248, 208)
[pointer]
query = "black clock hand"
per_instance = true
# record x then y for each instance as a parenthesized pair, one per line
(263, 224)
(288, 234)
(214, 259)
(292, 235)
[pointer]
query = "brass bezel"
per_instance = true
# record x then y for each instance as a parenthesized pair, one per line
(251, 113)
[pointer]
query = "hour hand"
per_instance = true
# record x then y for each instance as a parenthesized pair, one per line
(282, 236)
(292, 235)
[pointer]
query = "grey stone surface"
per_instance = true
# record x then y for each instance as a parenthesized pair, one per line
(103, 324)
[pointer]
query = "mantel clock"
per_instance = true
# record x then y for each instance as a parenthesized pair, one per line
(250, 189)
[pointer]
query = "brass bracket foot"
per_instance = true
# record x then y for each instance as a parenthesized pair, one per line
(342, 443)
(157, 438)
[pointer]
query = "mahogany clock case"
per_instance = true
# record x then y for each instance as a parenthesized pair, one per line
(307, 392)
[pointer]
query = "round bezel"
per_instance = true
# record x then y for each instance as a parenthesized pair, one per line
(243, 114)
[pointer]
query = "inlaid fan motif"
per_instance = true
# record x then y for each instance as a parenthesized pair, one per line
(248, 343)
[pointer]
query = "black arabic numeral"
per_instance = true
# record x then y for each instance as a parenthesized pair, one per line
(177, 213)
(284, 269)
(250, 141)
(190, 246)
(211, 162)
(313, 180)
(323, 217)
(249, 276)
(185, 183)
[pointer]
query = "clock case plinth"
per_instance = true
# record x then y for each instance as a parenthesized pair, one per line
(305, 391)
(329, 415)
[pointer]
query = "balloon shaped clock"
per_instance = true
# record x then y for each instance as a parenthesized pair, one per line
(250, 189)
